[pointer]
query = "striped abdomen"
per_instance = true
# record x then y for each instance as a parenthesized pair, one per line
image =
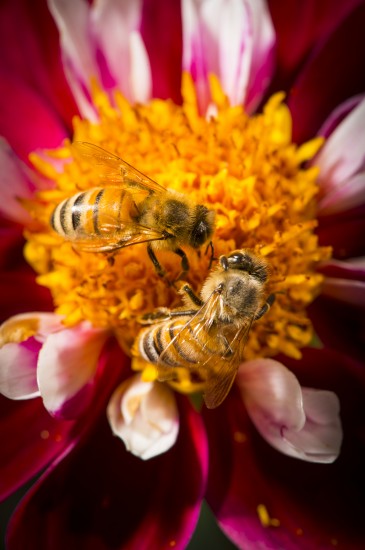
(95, 212)
(173, 343)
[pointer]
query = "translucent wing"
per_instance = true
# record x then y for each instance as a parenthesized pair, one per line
(114, 169)
(223, 370)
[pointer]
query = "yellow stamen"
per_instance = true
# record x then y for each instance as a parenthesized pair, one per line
(264, 517)
(245, 168)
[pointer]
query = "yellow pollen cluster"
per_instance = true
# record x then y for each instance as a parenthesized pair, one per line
(244, 168)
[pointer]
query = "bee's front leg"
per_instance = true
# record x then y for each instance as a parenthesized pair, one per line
(184, 264)
(159, 270)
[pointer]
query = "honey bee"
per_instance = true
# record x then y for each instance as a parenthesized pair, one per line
(209, 334)
(131, 209)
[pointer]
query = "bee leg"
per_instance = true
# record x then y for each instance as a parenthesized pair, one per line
(159, 270)
(265, 308)
(212, 258)
(184, 263)
(193, 297)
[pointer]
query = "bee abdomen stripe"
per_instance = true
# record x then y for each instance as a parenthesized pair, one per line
(178, 347)
(96, 210)
(147, 347)
(76, 211)
(63, 216)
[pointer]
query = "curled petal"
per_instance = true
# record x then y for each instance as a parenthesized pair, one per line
(144, 415)
(25, 325)
(301, 424)
(320, 439)
(18, 364)
(67, 366)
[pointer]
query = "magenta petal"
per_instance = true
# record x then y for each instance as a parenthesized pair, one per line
(345, 290)
(39, 124)
(18, 363)
(310, 501)
(102, 497)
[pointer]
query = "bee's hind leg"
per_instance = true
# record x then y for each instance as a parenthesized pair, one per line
(184, 264)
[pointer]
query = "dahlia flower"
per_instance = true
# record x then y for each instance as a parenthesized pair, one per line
(255, 110)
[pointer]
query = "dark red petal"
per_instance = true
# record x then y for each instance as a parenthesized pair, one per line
(101, 497)
(333, 74)
(344, 233)
(301, 25)
(26, 120)
(162, 33)
(11, 245)
(339, 325)
(20, 293)
(31, 438)
(29, 45)
(318, 506)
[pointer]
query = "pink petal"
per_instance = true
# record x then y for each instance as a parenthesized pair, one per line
(343, 154)
(232, 40)
(349, 194)
(337, 116)
(15, 183)
(115, 28)
(18, 364)
(100, 496)
(72, 20)
(352, 268)
(144, 415)
(67, 366)
(263, 50)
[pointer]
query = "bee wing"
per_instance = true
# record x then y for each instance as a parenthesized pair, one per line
(115, 169)
(192, 330)
(223, 370)
(113, 236)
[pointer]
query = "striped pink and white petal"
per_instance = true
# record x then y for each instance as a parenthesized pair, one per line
(342, 161)
(233, 40)
(21, 338)
(67, 367)
(345, 281)
(145, 416)
(302, 423)
(103, 42)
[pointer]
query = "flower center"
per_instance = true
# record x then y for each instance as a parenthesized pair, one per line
(244, 168)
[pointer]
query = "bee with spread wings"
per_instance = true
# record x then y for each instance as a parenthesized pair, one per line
(208, 336)
(130, 209)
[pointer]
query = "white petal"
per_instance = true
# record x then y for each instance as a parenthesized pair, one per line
(272, 394)
(144, 415)
(343, 197)
(343, 154)
(66, 367)
(140, 72)
(18, 379)
(320, 439)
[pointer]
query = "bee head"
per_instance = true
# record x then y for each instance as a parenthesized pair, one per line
(202, 228)
(245, 261)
